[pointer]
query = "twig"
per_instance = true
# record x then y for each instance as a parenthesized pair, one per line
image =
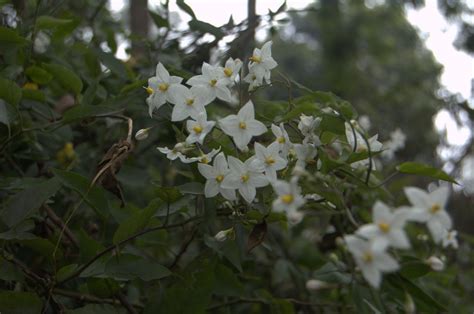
(123, 300)
(183, 249)
(90, 298)
(114, 246)
(59, 223)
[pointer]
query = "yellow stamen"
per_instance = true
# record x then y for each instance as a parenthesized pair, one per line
(244, 178)
(256, 59)
(190, 101)
(228, 72)
(269, 160)
(368, 257)
(31, 86)
(287, 198)
(385, 227)
(204, 160)
(149, 90)
(220, 178)
(197, 129)
(163, 87)
(281, 140)
(213, 82)
(435, 208)
(242, 125)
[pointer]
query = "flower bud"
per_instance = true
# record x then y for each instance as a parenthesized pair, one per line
(142, 134)
(435, 263)
(409, 305)
(314, 285)
(222, 235)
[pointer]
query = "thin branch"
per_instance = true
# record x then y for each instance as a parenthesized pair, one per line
(88, 298)
(123, 300)
(114, 246)
(183, 249)
(60, 224)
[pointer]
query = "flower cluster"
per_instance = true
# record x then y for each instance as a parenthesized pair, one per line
(370, 243)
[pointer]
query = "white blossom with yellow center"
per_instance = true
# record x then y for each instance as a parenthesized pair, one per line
(215, 175)
(261, 63)
(387, 227)
(199, 128)
(159, 88)
(282, 138)
(242, 126)
(188, 102)
(231, 70)
(245, 176)
(289, 197)
(372, 260)
(214, 81)
(271, 160)
(429, 208)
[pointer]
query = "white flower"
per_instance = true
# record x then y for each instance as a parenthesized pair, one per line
(270, 159)
(203, 158)
(198, 129)
(261, 63)
(214, 81)
(187, 102)
(158, 88)
(231, 69)
(387, 227)
(243, 126)
(450, 239)
(142, 134)
(435, 263)
(361, 145)
(282, 138)
(215, 175)
(289, 197)
(371, 261)
(172, 154)
(429, 208)
(307, 124)
(305, 154)
(245, 177)
(252, 80)
(364, 122)
(396, 142)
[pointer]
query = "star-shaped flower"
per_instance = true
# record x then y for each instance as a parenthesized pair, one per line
(243, 126)
(387, 227)
(158, 88)
(282, 138)
(187, 102)
(214, 81)
(215, 175)
(203, 158)
(176, 152)
(450, 239)
(245, 177)
(270, 159)
(198, 129)
(429, 208)
(261, 63)
(289, 197)
(305, 154)
(231, 69)
(372, 261)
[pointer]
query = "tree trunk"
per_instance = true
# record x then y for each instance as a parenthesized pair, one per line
(139, 26)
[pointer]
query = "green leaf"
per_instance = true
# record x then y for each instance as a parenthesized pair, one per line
(227, 283)
(168, 194)
(333, 124)
(10, 39)
(186, 8)
(195, 188)
(67, 78)
(32, 94)
(25, 202)
(19, 303)
(412, 267)
(66, 271)
(424, 170)
(10, 272)
(20, 231)
(86, 111)
(10, 92)
(38, 75)
(49, 22)
(113, 64)
(133, 86)
(126, 266)
(158, 20)
(204, 27)
(132, 225)
(94, 196)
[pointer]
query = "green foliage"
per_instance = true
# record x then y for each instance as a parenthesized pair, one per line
(424, 170)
